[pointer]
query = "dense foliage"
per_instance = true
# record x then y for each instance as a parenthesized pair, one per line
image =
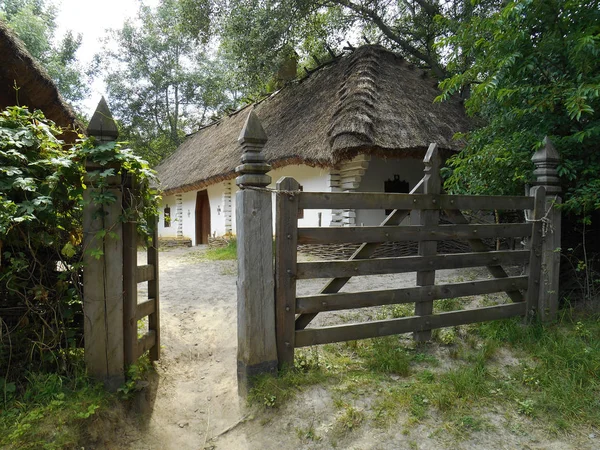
(41, 204)
(535, 72)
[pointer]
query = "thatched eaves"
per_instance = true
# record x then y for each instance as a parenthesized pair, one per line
(370, 101)
(36, 89)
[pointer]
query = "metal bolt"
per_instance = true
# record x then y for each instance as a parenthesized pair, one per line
(289, 236)
(324, 303)
(287, 308)
(291, 198)
(434, 201)
(289, 271)
(287, 344)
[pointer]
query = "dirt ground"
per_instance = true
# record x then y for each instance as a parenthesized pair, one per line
(193, 402)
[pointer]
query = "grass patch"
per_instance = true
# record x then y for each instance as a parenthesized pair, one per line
(273, 391)
(51, 412)
(551, 377)
(222, 253)
(54, 411)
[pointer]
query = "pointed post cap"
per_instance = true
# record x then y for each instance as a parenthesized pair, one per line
(102, 125)
(546, 161)
(253, 131)
(546, 152)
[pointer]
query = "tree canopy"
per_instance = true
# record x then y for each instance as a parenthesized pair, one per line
(535, 71)
(161, 78)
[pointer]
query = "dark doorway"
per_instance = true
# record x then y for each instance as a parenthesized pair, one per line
(202, 217)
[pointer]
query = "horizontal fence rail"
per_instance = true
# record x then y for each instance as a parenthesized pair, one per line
(379, 328)
(381, 266)
(363, 299)
(342, 235)
(375, 200)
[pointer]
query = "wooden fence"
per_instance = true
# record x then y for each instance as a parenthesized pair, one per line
(294, 313)
(111, 276)
(133, 274)
(264, 344)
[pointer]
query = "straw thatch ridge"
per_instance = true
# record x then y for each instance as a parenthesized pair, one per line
(36, 89)
(370, 101)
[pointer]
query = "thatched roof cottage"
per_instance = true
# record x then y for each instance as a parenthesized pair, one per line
(35, 88)
(362, 122)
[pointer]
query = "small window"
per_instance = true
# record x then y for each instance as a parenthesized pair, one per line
(167, 214)
(397, 186)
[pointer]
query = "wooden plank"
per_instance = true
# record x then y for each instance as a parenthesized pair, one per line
(286, 233)
(341, 235)
(378, 200)
(147, 342)
(153, 292)
(363, 252)
(349, 332)
(477, 245)
(535, 260)
(94, 324)
(257, 346)
(144, 273)
(342, 269)
(145, 308)
(351, 300)
(130, 283)
(432, 185)
(549, 292)
(103, 288)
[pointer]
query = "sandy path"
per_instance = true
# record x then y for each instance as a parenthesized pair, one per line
(193, 403)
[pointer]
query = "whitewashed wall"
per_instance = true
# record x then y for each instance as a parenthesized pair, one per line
(311, 178)
(189, 215)
(379, 170)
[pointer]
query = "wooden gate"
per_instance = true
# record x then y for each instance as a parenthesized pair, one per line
(273, 319)
(424, 204)
(133, 274)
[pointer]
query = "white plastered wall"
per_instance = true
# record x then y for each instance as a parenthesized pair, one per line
(312, 179)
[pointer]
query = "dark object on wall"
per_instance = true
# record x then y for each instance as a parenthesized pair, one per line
(397, 186)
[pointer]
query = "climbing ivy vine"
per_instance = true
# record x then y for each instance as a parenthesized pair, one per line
(42, 182)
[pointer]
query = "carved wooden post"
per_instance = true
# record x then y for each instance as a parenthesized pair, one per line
(257, 350)
(103, 267)
(546, 160)
(432, 184)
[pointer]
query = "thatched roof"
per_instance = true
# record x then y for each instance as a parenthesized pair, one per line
(36, 89)
(370, 101)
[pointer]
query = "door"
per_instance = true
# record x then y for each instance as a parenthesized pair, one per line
(202, 217)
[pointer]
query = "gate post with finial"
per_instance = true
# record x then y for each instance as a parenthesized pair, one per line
(103, 264)
(546, 161)
(257, 350)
